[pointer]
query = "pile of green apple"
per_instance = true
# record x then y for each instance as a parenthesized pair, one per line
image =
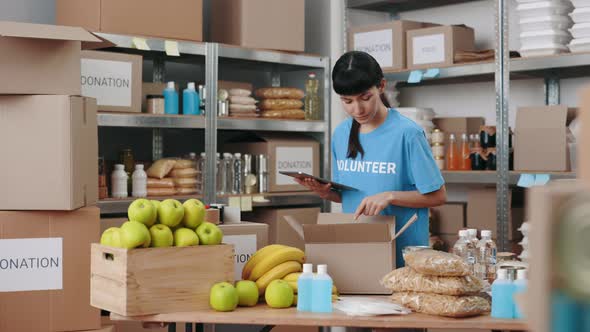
(163, 224)
(224, 296)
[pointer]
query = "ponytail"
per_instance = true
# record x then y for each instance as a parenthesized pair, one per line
(354, 143)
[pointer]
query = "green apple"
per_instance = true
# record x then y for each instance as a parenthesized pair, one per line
(112, 237)
(142, 210)
(279, 294)
(247, 293)
(209, 234)
(135, 234)
(170, 212)
(161, 236)
(184, 237)
(157, 207)
(223, 297)
(194, 213)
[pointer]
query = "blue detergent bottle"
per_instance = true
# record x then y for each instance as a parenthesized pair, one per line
(321, 291)
(304, 288)
(190, 102)
(502, 296)
(520, 286)
(170, 99)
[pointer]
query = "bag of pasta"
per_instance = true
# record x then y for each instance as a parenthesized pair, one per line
(281, 104)
(408, 280)
(437, 263)
(161, 168)
(443, 305)
(280, 93)
(284, 114)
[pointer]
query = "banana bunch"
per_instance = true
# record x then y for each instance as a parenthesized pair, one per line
(292, 278)
(271, 263)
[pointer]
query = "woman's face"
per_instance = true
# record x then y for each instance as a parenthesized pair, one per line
(363, 107)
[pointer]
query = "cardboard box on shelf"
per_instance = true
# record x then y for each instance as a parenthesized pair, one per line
(343, 244)
(114, 79)
(582, 153)
(247, 238)
(279, 231)
(235, 85)
(448, 218)
(265, 24)
(179, 19)
(541, 139)
(436, 46)
(481, 212)
(51, 164)
(449, 240)
(459, 125)
(41, 59)
(386, 42)
(45, 261)
(284, 153)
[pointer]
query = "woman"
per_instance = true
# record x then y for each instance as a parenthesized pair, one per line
(381, 153)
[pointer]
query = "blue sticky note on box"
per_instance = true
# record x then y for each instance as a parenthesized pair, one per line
(526, 180)
(415, 76)
(542, 179)
(432, 73)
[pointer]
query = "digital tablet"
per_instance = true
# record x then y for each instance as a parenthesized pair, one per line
(335, 186)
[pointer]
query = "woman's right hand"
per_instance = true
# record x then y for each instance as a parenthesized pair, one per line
(323, 190)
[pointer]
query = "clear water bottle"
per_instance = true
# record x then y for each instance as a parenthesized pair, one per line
(472, 234)
(237, 174)
(486, 257)
(312, 98)
(460, 247)
(201, 172)
(225, 174)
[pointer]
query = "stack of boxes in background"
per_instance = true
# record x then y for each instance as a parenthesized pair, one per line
(49, 185)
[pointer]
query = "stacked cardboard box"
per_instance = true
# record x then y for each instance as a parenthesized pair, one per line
(47, 215)
(447, 221)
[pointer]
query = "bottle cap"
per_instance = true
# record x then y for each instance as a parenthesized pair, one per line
(307, 268)
(502, 274)
(192, 155)
(463, 233)
(226, 155)
(464, 136)
(452, 136)
(170, 85)
(139, 166)
(521, 274)
(191, 85)
(119, 167)
(472, 232)
(322, 269)
(486, 233)
(238, 155)
(311, 75)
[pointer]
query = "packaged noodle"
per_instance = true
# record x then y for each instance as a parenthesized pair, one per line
(437, 263)
(284, 114)
(443, 305)
(280, 93)
(160, 183)
(407, 280)
(161, 168)
(280, 104)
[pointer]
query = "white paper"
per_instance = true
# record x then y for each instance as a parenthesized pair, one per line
(292, 159)
(367, 306)
(110, 82)
(31, 264)
(429, 49)
(377, 43)
(245, 247)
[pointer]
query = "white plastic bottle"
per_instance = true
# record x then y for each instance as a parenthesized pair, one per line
(321, 291)
(139, 182)
(460, 246)
(486, 257)
(119, 182)
(304, 288)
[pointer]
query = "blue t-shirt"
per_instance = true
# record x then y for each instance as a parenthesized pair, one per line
(397, 158)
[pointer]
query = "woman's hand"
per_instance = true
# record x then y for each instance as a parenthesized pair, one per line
(323, 190)
(373, 205)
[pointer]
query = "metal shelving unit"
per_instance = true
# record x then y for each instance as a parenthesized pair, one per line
(491, 177)
(399, 5)
(150, 121)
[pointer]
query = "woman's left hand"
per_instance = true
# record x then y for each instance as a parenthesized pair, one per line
(373, 205)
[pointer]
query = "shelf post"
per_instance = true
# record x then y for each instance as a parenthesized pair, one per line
(502, 84)
(552, 91)
(211, 75)
(159, 75)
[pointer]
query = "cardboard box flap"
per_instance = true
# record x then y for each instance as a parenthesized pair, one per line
(545, 117)
(348, 233)
(344, 218)
(96, 45)
(45, 31)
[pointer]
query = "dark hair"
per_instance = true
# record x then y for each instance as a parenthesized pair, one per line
(354, 73)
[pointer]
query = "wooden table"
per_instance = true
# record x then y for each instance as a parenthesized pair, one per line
(263, 315)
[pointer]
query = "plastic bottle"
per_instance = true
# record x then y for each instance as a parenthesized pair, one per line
(119, 182)
(304, 288)
(472, 234)
(170, 99)
(453, 154)
(312, 98)
(465, 160)
(237, 178)
(520, 286)
(460, 247)
(471, 248)
(139, 182)
(486, 257)
(502, 296)
(201, 169)
(190, 100)
(321, 291)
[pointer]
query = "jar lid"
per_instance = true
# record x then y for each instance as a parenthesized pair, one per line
(154, 96)
(437, 130)
(439, 158)
(438, 144)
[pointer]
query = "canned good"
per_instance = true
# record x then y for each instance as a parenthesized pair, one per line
(223, 108)
(155, 104)
(437, 136)
(438, 150)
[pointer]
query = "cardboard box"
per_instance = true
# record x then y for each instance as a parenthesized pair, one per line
(541, 142)
(51, 163)
(287, 328)
(437, 46)
(279, 231)
(344, 245)
(178, 19)
(386, 42)
(104, 328)
(235, 85)
(448, 218)
(284, 153)
(122, 283)
(459, 125)
(247, 238)
(449, 240)
(57, 292)
(582, 154)
(41, 59)
(114, 79)
(213, 216)
(481, 212)
(266, 24)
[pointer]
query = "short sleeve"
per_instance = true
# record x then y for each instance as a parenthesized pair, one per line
(424, 172)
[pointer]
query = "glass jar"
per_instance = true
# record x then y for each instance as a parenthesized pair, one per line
(438, 150)
(437, 136)
(155, 104)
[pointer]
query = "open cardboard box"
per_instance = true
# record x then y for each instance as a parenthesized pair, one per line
(349, 246)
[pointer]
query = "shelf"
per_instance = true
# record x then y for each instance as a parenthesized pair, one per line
(285, 58)
(119, 206)
(155, 44)
(271, 125)
(568, 65)
(142, 120)
(491, 177)
(278, 199)
(400, 5)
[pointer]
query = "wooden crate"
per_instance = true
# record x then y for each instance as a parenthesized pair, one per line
(157, 280)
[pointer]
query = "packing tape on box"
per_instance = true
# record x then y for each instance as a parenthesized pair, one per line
(431, 73)
(171, 48)
(141, 44)
(415, 76)
(530, 180)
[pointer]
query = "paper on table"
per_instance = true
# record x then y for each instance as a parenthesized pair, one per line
(367, 306)
(171, 48)
(141, 44)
